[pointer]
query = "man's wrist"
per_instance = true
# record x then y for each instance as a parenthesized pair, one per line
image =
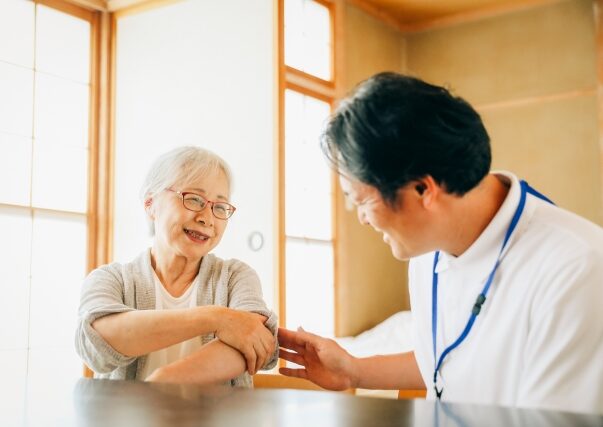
(355, 372)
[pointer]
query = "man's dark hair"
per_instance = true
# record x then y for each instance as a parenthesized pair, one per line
(395, 129)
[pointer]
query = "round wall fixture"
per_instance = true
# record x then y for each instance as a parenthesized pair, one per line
(255, 241)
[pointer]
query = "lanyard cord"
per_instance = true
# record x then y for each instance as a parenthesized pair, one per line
(481, 298)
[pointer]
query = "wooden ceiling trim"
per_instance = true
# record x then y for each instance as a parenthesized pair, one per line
(475, 14)
(135, 6)
(93, 5)
(378, 13)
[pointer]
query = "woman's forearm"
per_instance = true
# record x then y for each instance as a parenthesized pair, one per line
(396, 371)
(214, 363)
(139, 332)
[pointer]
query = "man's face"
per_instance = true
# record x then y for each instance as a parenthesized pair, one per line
(403, 226)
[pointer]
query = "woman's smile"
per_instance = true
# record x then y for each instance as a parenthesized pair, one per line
(196, 236)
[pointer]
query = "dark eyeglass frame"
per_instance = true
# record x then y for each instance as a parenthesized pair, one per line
(211, 203)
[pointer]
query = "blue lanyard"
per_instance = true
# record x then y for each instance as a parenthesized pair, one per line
(481, 298)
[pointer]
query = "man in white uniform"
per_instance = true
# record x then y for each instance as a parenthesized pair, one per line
(506, 288)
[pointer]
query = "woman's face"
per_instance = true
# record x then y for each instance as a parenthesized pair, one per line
(185, 233)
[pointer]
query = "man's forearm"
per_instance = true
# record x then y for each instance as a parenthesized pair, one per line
(214, 363)
(391, 372)
(139, 332)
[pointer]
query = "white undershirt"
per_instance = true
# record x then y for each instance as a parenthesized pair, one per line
(165, 301)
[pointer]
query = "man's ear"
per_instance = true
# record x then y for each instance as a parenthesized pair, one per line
(420, 187)
(427, 189)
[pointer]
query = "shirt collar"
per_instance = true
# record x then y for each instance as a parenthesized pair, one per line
(480, 257)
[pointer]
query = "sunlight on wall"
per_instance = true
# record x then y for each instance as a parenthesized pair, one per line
(198, 73)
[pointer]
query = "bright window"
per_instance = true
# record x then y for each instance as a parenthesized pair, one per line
(308, 43)
(308, 217)
(308, 198)
(44, 122)
(308, 191)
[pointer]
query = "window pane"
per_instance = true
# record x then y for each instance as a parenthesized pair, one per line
(308, 200)
(62, 45)
(58, 268)
(310, 287)
(16, 99)
(15, 168)
(308, 37)
(14, 374)
(60, 177)
(17, 32)
(61, 113)
(51, 376)
(15, 229)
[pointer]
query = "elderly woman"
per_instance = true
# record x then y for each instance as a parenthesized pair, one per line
(178, 313)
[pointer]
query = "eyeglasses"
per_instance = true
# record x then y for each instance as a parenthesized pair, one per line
(196, 203)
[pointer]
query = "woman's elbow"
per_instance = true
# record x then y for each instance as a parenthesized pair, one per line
(93, 361)
(102, 327)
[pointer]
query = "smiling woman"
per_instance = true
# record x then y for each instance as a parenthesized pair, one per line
(178, 313)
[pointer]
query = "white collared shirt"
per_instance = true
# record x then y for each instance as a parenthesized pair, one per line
(538, 341)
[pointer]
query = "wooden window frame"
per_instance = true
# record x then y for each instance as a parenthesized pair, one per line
(98, 206)
(315, 87)
(100, 150)
(100, 160)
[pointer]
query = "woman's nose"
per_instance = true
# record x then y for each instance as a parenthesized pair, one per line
(205, 216)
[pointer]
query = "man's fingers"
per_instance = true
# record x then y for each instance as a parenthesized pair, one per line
(301, 336)
(297, 373)
(307, 337)
(291, 357)
(289, 339)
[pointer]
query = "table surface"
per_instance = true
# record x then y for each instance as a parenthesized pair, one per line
(131, 403)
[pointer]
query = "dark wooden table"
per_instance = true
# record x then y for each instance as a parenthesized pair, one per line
(131, 404)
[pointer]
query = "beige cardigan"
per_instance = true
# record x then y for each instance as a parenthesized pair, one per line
(116, 288)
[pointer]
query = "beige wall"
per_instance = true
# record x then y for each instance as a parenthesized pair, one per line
(372, 284)
(532, 76)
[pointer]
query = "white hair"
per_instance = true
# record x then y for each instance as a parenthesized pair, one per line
(181, 167)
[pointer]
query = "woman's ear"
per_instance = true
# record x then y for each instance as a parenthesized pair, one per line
(149, 209)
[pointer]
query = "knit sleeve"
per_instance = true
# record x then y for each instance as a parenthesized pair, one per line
(245, 293)
(102, 294)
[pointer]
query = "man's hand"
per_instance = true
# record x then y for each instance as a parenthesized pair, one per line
(246, 332)
(325, 362)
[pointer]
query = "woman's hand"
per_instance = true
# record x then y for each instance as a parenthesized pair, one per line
(325, 362)
(246, 332)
